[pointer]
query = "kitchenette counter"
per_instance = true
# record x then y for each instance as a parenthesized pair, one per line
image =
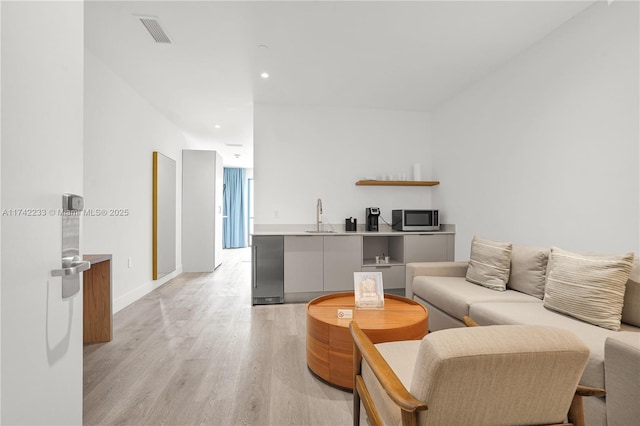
(311, 264)
(297, 230)
(366, 233)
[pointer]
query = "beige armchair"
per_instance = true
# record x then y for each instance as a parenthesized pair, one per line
(495, 375)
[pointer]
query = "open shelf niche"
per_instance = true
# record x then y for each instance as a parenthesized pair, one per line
(381, 245)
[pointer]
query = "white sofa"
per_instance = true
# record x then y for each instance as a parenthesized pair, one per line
(614, 362)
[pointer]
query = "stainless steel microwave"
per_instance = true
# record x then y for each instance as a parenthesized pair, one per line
(415, 220)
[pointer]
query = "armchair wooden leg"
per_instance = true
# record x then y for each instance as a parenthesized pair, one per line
(356, 407)
(367, 403)
(409, 419)
(357, 368)
(361, 394)
(576, 411)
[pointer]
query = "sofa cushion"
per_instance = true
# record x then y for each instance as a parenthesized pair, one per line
(535, 313)
(528, 269)
(454, 295)
(489, 263)
(621, 355)
(401, 357)
(589, 287)
(631, 308)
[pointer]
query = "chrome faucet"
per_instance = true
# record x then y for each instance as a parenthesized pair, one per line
(319, 214)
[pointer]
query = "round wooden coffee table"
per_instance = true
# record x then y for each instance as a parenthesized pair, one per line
(329, 342)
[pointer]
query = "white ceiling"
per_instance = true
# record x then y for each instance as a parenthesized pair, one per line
(380, 54)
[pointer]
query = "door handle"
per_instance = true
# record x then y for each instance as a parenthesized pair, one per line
(254, 267)
(72, 263)
(71, 266)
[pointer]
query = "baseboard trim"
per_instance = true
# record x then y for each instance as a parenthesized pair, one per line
(142, 290)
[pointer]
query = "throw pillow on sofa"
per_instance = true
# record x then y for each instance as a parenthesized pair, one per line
(589, 287)
(528, 270)
(489, 263)
(631, 308)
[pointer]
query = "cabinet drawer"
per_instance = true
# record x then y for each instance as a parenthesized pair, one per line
(392, 276)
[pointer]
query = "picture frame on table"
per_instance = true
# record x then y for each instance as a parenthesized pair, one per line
(368, 290)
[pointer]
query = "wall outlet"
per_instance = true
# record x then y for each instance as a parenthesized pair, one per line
(130, 262)
(276, 214)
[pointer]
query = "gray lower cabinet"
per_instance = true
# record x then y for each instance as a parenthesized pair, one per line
(321, 264)
(342, 257)
(303, 263)
(267, 274)
(428, 248)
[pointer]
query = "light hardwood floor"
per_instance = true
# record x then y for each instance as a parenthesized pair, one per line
(196, 352)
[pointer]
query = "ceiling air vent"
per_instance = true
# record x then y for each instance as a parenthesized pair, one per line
(153, 26)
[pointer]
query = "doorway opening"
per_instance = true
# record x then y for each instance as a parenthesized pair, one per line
(237, 218)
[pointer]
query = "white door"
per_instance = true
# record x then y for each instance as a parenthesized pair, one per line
(219, 200)
(41, 158)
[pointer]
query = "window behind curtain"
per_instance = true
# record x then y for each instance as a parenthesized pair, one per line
(234, 209)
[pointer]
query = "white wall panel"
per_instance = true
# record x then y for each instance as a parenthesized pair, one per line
(545, 150)
(306, 153)
(121, 132)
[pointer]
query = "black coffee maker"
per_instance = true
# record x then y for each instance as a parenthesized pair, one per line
(372, 214)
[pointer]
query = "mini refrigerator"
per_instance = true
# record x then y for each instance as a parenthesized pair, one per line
(267, 269)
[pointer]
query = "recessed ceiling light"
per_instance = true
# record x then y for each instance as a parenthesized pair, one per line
(264, 75)
(217, 126)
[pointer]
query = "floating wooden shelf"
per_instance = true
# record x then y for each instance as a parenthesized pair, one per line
(397, 183)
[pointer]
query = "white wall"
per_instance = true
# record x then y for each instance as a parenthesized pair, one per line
(305, 153)
(42, 55)
(545, 150)
(0, 216)
(202, 204)
(121, 132)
